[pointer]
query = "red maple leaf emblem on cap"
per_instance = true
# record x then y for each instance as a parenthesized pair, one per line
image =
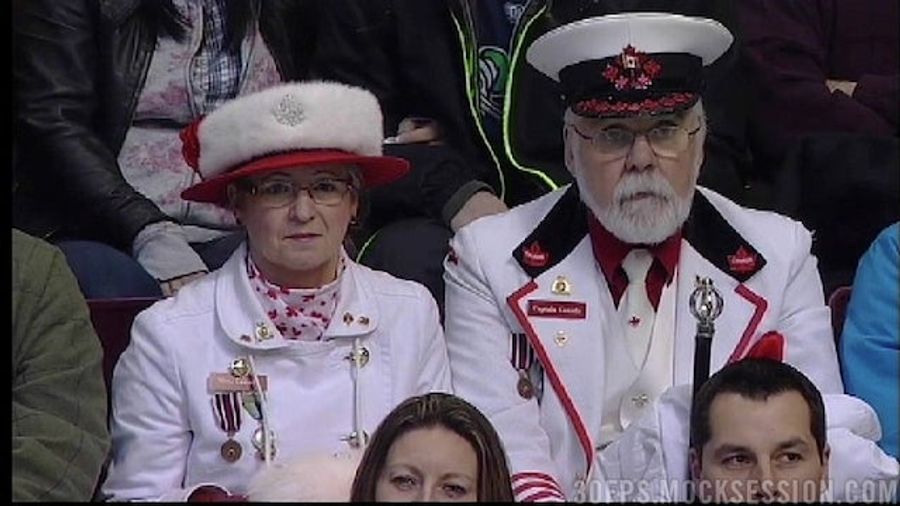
(534, 256)
(632, 70)
(742, 261)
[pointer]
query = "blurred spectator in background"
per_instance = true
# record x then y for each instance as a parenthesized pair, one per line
(820, 66)
(59, 436)
(102, 89)
(461, 64)
(870, 343)
(824, 133)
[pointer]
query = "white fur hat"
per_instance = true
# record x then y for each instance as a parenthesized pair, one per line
(630, 63)
(288, 126)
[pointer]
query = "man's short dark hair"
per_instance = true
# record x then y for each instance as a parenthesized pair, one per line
(756, 379)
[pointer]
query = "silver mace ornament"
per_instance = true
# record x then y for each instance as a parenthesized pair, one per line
(706, 305)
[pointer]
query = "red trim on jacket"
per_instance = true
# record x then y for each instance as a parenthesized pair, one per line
(760, 308)
(552, 375)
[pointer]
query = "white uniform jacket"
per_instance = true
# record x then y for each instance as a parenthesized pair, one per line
(500, 297)
(166, 429)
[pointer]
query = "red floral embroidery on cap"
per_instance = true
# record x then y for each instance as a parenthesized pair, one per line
(632, 70)
(651, 105)
(190, 144)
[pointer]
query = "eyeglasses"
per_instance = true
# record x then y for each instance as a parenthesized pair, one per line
(666, 141)
(284, 192)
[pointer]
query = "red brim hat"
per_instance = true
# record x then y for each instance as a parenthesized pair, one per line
(375, 171)
(289, 126)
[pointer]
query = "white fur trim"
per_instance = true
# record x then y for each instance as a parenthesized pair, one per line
(308, 115)
(316, 478)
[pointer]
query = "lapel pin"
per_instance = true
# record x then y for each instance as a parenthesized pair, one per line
(561, 338)
(240, 367)
(562, 286)
(262, 331)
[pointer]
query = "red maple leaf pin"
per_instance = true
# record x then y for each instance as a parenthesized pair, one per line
(632, 70)
(534, 256)
(742, 261)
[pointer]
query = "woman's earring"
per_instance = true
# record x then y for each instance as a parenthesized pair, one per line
(354, 221)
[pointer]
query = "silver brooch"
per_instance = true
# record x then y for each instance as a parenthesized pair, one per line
(289, 111)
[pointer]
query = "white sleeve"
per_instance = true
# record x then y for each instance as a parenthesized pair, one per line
(858, 470)
(149, 426)
(435, 375)
(805, 321)
(478, 344)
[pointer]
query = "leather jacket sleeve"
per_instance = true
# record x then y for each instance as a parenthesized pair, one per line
(66, 138)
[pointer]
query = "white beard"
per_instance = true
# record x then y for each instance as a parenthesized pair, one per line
(648, 220)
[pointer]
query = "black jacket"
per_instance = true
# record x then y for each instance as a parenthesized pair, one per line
(78, 69)
(419, 58)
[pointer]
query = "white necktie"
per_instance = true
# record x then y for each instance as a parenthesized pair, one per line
(635, 307)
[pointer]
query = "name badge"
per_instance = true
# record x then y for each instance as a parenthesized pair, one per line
(557, 309)
(219, 382)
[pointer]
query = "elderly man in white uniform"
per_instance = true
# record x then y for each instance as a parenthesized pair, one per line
(291, 349)
(569, 316)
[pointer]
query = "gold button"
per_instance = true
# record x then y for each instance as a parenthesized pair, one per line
(239, 367)
(262, 331)
(561, 286)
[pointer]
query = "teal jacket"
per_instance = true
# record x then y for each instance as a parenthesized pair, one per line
(870, 342)
(59, 434)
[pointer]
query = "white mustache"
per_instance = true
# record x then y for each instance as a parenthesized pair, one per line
(644, 183)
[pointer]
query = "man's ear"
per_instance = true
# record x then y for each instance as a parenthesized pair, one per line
(694, 462)
(568, 150)
(826, 458)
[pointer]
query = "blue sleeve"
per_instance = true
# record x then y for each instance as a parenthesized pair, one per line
(870, 343)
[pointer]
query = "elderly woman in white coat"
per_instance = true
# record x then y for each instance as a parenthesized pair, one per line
(291, 348)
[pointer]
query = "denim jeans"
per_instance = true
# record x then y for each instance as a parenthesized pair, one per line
(104, 272)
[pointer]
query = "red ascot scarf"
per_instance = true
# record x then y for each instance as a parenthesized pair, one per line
(300, 314)
(609, 251)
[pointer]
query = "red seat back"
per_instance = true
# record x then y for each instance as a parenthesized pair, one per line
(837, 301)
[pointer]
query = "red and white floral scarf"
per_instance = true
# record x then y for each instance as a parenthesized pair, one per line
(300, 314)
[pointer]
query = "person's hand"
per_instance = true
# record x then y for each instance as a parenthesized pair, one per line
(416, 130)
(170, 287)
(846, 87)
(480, 204)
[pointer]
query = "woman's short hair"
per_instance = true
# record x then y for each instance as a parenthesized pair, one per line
(437, 409)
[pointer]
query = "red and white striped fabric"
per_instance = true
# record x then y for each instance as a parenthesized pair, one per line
(536, 487)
